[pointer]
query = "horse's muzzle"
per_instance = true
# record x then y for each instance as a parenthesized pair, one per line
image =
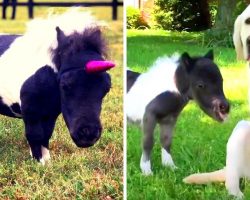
(87, 136)
(221, 110)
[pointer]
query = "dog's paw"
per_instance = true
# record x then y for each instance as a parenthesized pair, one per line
(167, 160)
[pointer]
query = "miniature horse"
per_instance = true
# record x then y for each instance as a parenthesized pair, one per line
(159, 96)
(48, 71)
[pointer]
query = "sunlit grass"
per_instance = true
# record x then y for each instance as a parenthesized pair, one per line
(93, 173)
(199, 143)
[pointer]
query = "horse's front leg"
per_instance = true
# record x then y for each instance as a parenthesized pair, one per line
(149, 123)
(35, 136)
(48, 127)
(166, 140)
(38, 134)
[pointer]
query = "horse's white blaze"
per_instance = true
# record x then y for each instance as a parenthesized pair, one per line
(145, 166)
(158, 79)
(166, 159)
(32, 51)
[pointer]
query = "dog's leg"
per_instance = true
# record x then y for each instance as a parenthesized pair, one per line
(166, 139)
(149, 123)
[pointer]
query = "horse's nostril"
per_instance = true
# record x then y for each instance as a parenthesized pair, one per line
(89, 133)
(224, 108)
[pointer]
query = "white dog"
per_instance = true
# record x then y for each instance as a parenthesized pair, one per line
(238, 146)
(241, 36)
(237, 162)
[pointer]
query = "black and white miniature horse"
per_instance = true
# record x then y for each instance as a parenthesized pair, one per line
(50, 70)
(159, 95)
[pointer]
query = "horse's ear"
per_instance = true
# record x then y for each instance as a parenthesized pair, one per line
(210, 55)
(187, 61)
(97, 33)
(61, 38)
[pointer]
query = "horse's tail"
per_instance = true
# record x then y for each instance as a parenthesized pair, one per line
(204, 178)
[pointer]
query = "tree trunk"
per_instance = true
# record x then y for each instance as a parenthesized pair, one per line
(224, 18)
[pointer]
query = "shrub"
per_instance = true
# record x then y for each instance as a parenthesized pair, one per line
(183, 14)
(133, 16)
(216, 37)
(136, 18)
(164, 19)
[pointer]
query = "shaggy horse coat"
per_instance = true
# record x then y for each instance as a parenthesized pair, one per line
(159, 95)
(51, 69)
(237, 162)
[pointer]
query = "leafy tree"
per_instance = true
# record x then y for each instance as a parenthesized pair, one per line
(180, 15)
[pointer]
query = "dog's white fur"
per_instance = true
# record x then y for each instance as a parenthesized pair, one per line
(158, 79)
(32, 51)
(241, 32)
(237, 162)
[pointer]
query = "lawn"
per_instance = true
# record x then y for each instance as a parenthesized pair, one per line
(199, 143)
(73, 173)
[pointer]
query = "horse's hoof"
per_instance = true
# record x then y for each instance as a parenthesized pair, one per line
(146, 168)
(42, 161)
(167, 160)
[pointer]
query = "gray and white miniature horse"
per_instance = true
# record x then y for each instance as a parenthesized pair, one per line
(159, 96)
(50, 70)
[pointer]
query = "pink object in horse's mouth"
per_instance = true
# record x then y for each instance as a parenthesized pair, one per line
(99, 66)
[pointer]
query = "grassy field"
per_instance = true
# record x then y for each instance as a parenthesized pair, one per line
(199, 143)
(73, 173)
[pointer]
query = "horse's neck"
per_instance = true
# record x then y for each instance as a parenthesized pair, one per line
(182, 82)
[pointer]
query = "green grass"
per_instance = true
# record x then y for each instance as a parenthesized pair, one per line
(199, 143)
(73, 173)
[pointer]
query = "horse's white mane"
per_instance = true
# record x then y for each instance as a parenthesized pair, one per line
(42, 31)
(159, 78)
(32, 51)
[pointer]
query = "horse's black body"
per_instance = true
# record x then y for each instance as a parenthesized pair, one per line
(131, 78)
(196, 79)
(5, 42)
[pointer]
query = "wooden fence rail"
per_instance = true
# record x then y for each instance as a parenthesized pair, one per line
(31, 4)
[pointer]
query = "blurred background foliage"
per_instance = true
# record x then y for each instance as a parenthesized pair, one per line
(215, 18)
